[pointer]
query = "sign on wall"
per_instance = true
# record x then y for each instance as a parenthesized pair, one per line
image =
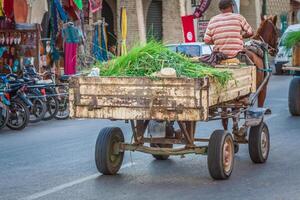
(202, 26)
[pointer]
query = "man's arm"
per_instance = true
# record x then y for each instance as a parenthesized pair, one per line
(208, 35)
(247, 29)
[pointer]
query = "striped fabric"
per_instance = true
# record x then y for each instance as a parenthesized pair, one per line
(225, 32)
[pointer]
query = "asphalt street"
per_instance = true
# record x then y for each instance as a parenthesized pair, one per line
(55, 161)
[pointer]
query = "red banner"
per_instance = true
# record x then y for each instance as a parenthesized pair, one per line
(200, 10)
(188, 28)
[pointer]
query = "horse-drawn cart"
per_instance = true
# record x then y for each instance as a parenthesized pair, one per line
(168, 102)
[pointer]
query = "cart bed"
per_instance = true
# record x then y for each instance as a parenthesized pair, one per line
(172, 99)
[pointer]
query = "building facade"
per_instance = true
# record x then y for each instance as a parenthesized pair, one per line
(161, 19)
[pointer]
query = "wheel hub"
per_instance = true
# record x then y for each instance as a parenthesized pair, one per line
(264, 144)
(227, 155)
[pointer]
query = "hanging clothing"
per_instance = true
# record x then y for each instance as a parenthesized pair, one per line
(99, 47)
(37, 9)
(95, 5)
(1, 8)
(78, 3)
(72, 34)
(20, 11)
(71, 9)
(70, 58)
(8, 7)
(104, 43)
(63, 15)
(96, 48)
(45, 32)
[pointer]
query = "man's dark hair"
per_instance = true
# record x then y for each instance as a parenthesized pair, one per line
(224, 4)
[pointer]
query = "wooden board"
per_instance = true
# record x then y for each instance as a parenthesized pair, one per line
(243, 84)
(172, 99)
(291, 68)
(139, 98)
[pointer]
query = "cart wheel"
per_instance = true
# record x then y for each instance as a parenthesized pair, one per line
(236, 147)
(294, 96)
(161, 157)
(259, 143)
(220, 158)
(108, 160)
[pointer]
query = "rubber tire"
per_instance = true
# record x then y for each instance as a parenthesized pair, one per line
(278, 69)
(41, 117)
(103, 150)
(51, 116)
(254, 145)
(215, 155)
(27, 115)
(161, 157)
(294, 97)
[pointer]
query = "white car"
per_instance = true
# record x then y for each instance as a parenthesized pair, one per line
(195, 49)
(284, 56)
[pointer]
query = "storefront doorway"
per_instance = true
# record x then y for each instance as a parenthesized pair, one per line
(154, 21)
(108, 15)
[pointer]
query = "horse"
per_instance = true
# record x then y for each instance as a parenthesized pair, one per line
(267, 33)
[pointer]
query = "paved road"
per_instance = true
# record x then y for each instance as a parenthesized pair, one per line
(55, 160)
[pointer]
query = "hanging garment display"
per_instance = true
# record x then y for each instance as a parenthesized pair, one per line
(104, 42)
(8, 7)
(70, 58)
(20, 11)
(96, 48)
(63, 15)
(55, 8)
(45, 32)
(99, 47)
(71, 9)
(95, 5)
(78, 4)
(72, 36)
(37, 9)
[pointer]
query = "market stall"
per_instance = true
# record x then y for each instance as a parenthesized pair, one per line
(39, 43)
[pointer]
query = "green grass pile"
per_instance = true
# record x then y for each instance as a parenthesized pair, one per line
(144, 60)
(291, 39)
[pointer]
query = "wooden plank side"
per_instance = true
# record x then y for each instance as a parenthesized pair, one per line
(142, 101)
(138, 98)
(122, 113)
(137, 90)
(290, 68)
(162, 99)
(243, 84)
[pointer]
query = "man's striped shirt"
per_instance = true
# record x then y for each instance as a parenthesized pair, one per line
(225, 32)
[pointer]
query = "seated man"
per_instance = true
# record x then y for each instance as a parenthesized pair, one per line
(227, 30)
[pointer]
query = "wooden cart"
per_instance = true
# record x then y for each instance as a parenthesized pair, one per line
(154, 106)
(294, 91)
